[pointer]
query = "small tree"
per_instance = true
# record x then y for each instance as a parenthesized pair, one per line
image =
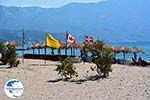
(102, 57)
(3, 51)
(2, 47)
(66, 70)
(9, 55)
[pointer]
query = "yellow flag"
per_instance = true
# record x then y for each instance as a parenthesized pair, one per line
(52, 42)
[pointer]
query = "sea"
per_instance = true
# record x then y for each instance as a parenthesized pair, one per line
(145, 46)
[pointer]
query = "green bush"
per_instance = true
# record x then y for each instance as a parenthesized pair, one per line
(2, 47)
(9, 55)
(102, 57)
(66, 70)
(3, 51)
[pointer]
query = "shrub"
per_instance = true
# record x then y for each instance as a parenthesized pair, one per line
(102, 57)
(66, 70)
(2, 47)
(3, 51)
(9, 55)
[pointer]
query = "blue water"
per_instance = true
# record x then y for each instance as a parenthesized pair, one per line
(145, 46)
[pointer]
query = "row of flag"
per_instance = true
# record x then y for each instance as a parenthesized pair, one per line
(54, 43)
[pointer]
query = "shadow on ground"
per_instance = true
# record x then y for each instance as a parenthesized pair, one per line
(78, 81)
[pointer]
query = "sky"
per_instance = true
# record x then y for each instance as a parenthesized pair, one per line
(42, 3)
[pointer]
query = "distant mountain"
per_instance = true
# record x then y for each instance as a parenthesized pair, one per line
(31, 36)
(111, 20)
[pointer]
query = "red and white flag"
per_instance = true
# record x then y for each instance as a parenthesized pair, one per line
(89, 39)
(70, 38)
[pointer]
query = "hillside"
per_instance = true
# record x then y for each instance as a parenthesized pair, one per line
(111, 20)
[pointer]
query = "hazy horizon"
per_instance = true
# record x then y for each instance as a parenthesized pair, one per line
(44, 3)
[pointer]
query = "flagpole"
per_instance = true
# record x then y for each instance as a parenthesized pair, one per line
(66, 43)
(23, 46)
(45, 47)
